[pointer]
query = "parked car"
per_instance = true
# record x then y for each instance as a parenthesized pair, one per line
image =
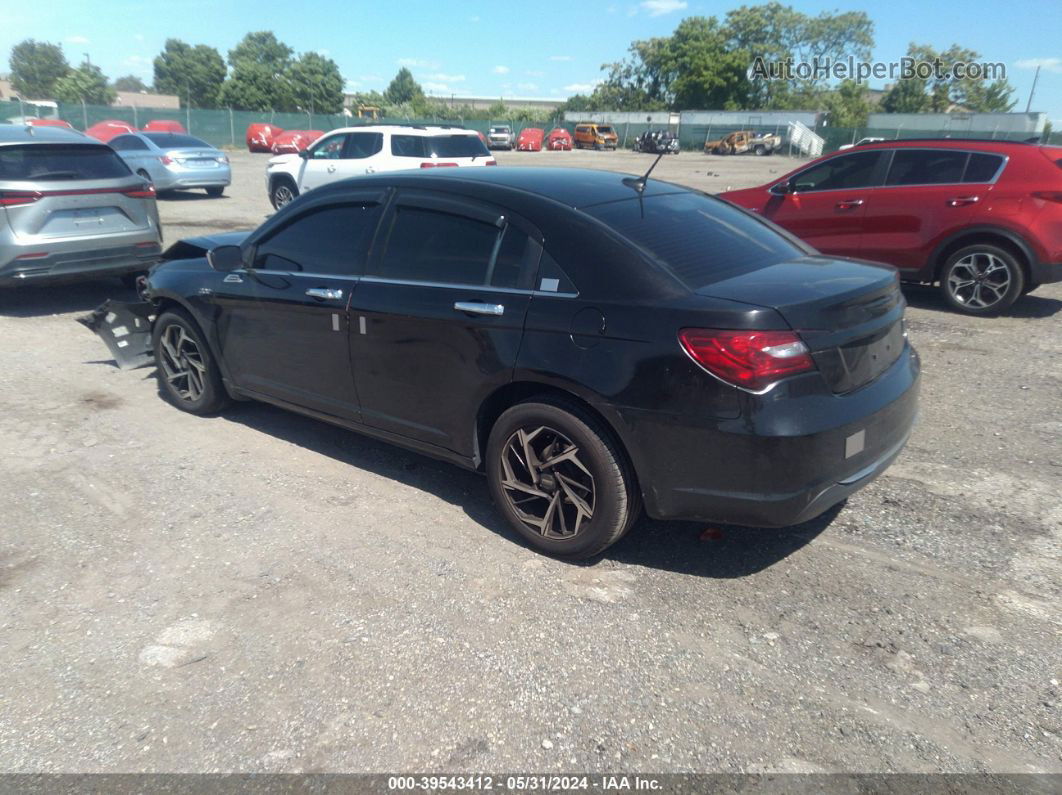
(260, 137)
(171, 161)
(743, 141)
(49, 123)
(369, 149)
(164, 125)
(106, 130)
(530, 139)
(591, 341)
(559, 140)
(589, 135)
(860, 142)
(292, 141)
(657, 142)
(501, 137)
(70, 208)
(981, 218)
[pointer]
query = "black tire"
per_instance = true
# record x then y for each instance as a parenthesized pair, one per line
(982, 279)
(203, 394)
(760, 150)
(277, 196)
(613, 496)
(215, 191)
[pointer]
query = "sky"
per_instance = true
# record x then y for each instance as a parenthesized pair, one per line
(487, 49)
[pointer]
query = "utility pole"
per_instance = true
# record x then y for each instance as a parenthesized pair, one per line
(1032, 90)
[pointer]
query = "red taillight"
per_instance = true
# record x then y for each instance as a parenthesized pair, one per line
(14, 198)
(165, 160)
(145, 192)
(491, 163)
(1048, 195)
(432, 164)
(751, 360)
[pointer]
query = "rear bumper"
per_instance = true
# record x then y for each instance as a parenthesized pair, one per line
(786, 460)
(1046, 272)
(78, 263)
(197, 178)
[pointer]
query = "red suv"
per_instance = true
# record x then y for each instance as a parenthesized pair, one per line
(982, 218)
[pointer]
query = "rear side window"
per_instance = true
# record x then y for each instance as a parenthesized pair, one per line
(175, 140)
(58, 162)
(458, 146)
(982, 167)
(330, 240)
(839, 173)
(699, 239)
(432, 246)
(926, 167)
(409, 146)
(127, 143)
(511, 267)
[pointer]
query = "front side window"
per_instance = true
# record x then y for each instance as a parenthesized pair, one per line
(330, 148)
(839, 173)
(361, 145)
(926, 167)
(432, 246)
(329, 240)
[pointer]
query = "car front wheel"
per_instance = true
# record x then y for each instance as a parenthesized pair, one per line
(283, 193)
(982, 279)
(559, 479)
(216, 191)
(188, 376)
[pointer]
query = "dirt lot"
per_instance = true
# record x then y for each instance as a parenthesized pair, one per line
(261, 592)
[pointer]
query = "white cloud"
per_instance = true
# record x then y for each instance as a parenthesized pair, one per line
(77, 40)
(370, 78)
(324, 53)
(534, 73)
(433, 87)
(581, 88)
(418, 63)
(1047, 64)
(531, 88)
(500, 70)
(658, 8)
(440, 77)
(560, 58)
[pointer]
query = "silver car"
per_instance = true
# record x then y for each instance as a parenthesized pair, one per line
(174, 161)
(69, 207)
(501, 137)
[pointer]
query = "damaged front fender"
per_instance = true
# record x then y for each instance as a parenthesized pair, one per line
(126, 330)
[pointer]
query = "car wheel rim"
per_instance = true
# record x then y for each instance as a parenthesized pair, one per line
(182, 363)
(979, 280)
(546, 483)
(282, 196)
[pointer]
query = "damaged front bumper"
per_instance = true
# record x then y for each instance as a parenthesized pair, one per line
(126, 330)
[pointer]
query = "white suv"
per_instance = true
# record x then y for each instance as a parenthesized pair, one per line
(369, 149)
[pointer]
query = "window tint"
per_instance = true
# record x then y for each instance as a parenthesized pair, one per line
(55, 162)
(511, 265)
(604, 128)
(362, 145)
(847, 171)
(174, 140)
(409, 146)
(701, 240)
(330, 148)
(982, 167)
(425, 245)
(127, 143)
(458, 146)
(331, 240)
(926, 167)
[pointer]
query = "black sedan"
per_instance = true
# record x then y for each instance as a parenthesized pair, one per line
(594, 343)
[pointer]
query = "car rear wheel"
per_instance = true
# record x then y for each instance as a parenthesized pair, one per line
(982, 279)
(216, 191)
(284, 192)
(188, 376)
(559, 479)
(760, 150)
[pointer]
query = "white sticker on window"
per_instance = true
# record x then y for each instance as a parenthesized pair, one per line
(549, 285)
(335, 322)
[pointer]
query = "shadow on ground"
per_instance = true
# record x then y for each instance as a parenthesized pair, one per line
(36, 300)
(1028, 306)
(684, 547)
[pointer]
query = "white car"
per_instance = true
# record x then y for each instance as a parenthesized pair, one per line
(370, 149)
(860, 142)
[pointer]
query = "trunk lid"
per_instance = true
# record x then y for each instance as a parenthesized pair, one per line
(849, 314)
(195, 158)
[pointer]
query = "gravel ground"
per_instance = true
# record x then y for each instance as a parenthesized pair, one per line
(261, 592)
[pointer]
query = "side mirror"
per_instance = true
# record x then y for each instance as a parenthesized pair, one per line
(304, 154)
(225, 258)
(781, 189)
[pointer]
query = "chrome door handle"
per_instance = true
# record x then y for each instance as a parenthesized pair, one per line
(848, 204)
(479, 308)
(962, 201)
(321, 292)
(331, 169)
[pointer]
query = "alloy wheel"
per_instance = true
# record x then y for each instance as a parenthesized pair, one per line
(979, 280)
(182, 363)
(282, 195)
(546, 483)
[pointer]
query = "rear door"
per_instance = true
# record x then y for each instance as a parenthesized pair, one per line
(437, 321)
(928, 194)
(302, 278)
(829, 202)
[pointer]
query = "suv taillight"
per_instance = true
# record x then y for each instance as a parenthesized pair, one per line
(430, 164)
(14, 198)
(143, 192)
(752, 360)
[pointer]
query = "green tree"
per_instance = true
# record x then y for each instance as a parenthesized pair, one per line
(403, 89)
(258, 80)
(848, 105)
(192, 73)
(315, 83)
(85, 84)
(129, 83)
(36, 66)
(943, 90)
(906, 96)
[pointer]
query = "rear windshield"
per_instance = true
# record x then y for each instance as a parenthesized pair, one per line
(174, 140)
(57, 162)
(700, 239)
(458, 146)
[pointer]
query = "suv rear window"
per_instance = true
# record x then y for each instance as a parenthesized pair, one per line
(57, 162)
(458, 146)
(701, 240)
(173, 140)
(982, 167)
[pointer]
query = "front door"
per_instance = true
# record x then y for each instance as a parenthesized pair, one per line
(437, 321)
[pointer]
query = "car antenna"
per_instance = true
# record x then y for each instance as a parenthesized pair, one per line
(638, 183)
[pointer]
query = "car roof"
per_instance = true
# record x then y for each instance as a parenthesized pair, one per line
(985, 144)
(574, 187)
(406, 129)
(18, 134)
